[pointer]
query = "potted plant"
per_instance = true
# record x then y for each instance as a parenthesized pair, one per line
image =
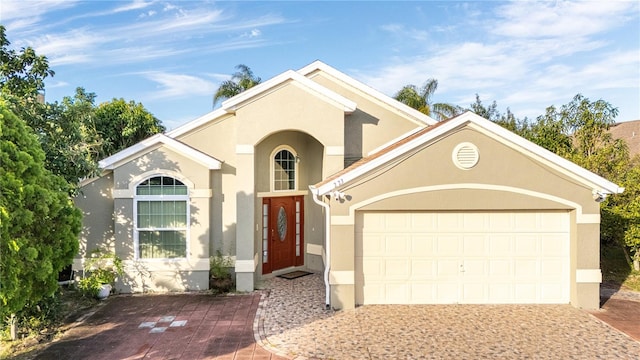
(220, 280)
(100, 272)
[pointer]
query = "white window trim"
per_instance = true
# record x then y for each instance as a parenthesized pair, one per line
(272, 168)
(136, 198)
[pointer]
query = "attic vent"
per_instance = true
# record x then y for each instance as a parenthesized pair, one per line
(465, 155)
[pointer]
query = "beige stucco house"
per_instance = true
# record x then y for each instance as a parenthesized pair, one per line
(315, 170)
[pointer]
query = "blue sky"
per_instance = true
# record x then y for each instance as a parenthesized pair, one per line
(172, 55)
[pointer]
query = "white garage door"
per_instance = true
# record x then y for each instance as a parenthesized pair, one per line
(466, 257)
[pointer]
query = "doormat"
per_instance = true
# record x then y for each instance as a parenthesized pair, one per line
(294, 274)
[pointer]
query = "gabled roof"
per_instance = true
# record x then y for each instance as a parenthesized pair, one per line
(232, 104)
(427, 135)
(151, 143)
(407, 110)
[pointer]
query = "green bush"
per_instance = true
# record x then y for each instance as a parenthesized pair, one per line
(101, 268)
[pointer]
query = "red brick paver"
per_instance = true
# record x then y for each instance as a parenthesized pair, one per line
(621, 314)
(185, 326)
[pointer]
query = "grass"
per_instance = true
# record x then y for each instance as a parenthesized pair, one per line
(616, 271)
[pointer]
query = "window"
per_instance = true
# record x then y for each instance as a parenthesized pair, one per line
(284, 171)
(162, 218)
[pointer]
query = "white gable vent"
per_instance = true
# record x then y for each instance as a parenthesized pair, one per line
(465, 155)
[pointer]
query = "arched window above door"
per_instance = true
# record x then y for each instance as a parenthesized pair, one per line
(284, 169)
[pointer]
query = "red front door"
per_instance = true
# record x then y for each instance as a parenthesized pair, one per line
(284, 237)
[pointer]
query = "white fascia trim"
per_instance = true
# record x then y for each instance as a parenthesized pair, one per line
(349, 219)
(237, 101)
(413, 113)
(343, 277)
(193, 124)
(581, 174)
(148, 144)
(334, 150)
(247, 266)
(131, 266)
(315, 249)
(244, 149)
(588, 276)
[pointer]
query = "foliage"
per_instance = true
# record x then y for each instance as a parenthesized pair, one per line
(420, 99)
(506, 120)
(21, 73)
(102, 267)
(74, 133)
(42, 322)
(241, 80)
(219, 266)
(39, 225)
(122, 124)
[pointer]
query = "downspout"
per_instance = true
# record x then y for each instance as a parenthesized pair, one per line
(327, 241)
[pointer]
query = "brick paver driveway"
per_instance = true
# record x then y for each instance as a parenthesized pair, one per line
(291, 323)
(185, 326)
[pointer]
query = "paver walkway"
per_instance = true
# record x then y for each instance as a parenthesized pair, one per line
(185, 326)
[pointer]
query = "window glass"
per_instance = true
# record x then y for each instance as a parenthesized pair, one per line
(162, 219)
(284, 171)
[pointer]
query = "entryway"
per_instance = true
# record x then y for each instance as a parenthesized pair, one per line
(282, 233)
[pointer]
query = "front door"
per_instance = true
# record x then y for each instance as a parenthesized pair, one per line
(283, 239)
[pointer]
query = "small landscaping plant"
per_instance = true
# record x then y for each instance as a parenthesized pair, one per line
(220, 280)
(101, 268)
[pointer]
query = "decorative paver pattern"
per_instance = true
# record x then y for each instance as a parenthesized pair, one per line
(176, 326)
(295, 323)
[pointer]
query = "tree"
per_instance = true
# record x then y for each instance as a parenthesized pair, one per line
(241, 80)
(21, 74)
(39, 225)
(579, 132)
(420, 99)
(506, 120)
(69, 138)
(121, 124)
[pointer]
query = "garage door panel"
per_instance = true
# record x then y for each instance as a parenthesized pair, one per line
(373, 245)
(474, 245)
(448, 245)
(471, 257)
(500, 268)
(447, 268)
(525, 245)
(397, 245)
(422, 244)
(473, 293)
(397, 269)
(422, 269)
(554, 245)
(500, 245)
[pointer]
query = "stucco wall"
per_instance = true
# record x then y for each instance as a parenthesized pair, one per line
(156, 274)
(427, 179)
(96, 202)
(372, 124)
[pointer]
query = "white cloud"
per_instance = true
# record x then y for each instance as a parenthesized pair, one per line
(178, 85)
(135, 5)
(536, 19)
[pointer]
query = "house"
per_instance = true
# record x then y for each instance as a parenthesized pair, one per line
(315, 170)
(629, 131)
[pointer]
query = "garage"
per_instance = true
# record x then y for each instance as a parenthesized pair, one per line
(475, 257)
